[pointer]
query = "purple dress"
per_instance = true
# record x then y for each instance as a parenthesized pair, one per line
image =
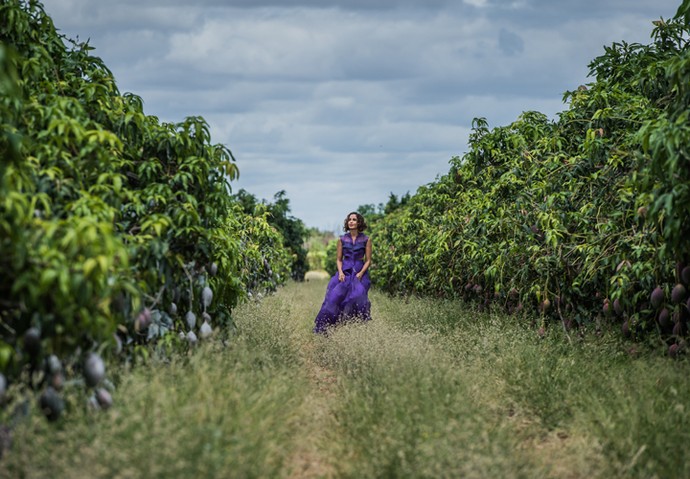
(349, 299)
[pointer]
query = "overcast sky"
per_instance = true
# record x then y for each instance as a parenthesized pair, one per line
(340, 103)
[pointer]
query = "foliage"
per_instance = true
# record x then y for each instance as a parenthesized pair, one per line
(109, 218)
(566, 218)
(331, 264)
(217, 413)
(264, 266)
(292, 229)
(372, 213)
(316, 248)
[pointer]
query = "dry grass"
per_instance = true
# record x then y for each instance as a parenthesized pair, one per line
(427, 389)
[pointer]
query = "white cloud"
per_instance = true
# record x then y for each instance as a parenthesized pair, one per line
(342, 102)
(477, 3)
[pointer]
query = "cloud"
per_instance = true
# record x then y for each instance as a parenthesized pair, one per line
(340, 102)
(510, 43)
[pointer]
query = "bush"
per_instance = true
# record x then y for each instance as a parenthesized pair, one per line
(563, 217)
(113, 224)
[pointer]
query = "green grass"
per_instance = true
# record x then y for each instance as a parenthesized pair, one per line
(221, 411)
(406, 410)
(584, 398)
(427, 389)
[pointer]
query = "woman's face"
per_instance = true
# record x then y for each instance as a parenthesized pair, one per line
(352, 222)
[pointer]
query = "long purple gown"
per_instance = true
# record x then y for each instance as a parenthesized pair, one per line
(349, 299)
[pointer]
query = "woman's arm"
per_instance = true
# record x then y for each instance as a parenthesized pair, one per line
(367, 257)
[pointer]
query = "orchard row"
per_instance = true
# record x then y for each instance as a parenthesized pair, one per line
(119, 235)
(580, 218)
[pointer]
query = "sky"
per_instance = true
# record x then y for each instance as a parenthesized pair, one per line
(341, 103)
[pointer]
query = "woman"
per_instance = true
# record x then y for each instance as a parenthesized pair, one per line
(347, 291)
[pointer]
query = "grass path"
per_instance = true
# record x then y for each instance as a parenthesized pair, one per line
(308, 459)
(397, 360)
(427, 389)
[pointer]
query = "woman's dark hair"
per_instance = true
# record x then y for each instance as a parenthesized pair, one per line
(361, 224)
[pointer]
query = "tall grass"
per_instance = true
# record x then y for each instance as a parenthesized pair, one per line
(589, 407)
(220, 411)
(427, 389)
(406, 410)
